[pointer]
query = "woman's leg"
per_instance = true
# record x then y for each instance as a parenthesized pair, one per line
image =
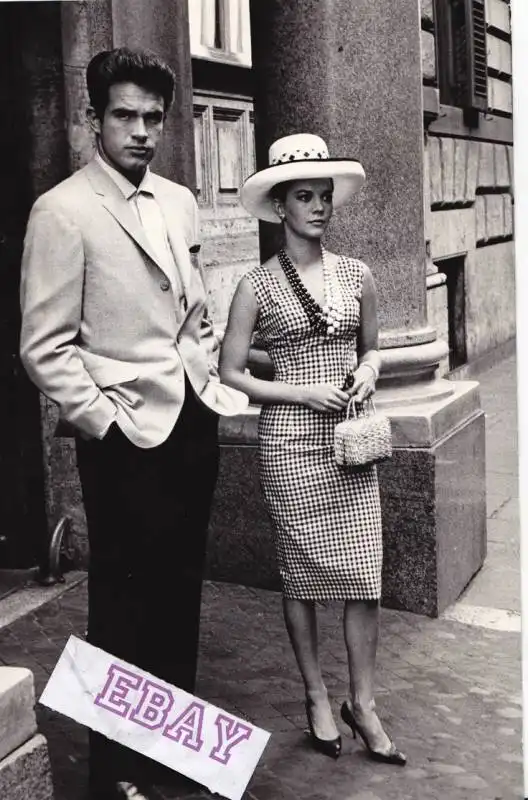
(361, 621)
(301, 624)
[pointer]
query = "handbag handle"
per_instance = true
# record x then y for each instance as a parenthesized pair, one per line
(352, 403)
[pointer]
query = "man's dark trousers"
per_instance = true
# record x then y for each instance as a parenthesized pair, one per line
(147, 512)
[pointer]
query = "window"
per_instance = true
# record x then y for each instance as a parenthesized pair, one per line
(220, 31)
(462, 53)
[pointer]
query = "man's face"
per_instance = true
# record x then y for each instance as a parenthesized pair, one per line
(130, 129)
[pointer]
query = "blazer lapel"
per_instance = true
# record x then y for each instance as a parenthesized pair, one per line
(115, 203)
(179, 247)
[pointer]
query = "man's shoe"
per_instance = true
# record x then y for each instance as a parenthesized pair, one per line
(129, 791)
(125, 790)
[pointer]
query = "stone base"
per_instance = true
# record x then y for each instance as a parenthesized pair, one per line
(434, 520)
(241, 548)
(25, 774)
(17, 709)
(433, 503)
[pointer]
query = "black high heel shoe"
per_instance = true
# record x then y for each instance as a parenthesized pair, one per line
(329, 747)
(394, 756)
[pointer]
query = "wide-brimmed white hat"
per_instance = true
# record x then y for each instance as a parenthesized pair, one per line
(301, 156)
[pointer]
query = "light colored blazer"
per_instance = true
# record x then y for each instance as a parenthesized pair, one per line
(102, 332)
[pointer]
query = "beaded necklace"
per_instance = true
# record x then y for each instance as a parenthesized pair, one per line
(325, 319)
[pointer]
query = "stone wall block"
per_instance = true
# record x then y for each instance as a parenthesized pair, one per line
(486, 167)
(490, 310)
(480, 212)
(500, 95)
(471, 170)
(502, 171)
(511, 175)
(498, 14)
(461, 159)
(426, 7)
(447, 150)
(508, 214)
(453, 231)
(435, 169)
(428, 56)
(499, 54)
(494, 216)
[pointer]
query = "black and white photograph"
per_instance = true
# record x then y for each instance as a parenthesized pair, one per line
(260, 349)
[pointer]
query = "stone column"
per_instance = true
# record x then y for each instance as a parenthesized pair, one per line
(351, 72)
(164, 28)
(359, 66)
(93, 25)
(86, 30)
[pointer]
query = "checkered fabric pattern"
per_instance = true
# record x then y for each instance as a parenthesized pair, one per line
(327, 518)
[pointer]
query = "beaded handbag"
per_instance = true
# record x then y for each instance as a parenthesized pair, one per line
(363, 438)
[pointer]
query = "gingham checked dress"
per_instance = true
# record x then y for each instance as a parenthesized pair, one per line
(327, 518)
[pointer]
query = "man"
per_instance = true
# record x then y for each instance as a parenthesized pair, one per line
(115, 331)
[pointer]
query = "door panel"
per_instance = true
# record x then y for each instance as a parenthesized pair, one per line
(225, 156)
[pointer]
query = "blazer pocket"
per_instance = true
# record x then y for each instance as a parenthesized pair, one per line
(106, 372)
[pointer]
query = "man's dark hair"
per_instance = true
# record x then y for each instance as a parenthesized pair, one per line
(122, 65)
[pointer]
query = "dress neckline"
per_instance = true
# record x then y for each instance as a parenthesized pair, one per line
(287, 285)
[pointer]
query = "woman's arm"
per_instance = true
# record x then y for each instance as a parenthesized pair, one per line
(234, 357)
(369, 359)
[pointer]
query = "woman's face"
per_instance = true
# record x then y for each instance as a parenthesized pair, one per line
(307, 207)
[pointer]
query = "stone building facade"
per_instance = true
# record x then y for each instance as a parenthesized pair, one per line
(469, 199)
(468, 180)
(434, 222)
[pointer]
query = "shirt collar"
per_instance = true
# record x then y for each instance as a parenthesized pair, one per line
(123, 184)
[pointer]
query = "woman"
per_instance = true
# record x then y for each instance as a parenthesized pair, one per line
(315, 314)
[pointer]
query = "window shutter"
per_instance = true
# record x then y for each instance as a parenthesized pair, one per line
(462, 50)
(478, 58)
(468, 36)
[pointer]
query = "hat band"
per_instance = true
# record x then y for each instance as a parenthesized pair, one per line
(300, 155)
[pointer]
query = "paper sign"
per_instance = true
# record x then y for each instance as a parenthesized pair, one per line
(140, 711)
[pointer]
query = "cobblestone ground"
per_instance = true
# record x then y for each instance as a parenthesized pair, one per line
(449, 694)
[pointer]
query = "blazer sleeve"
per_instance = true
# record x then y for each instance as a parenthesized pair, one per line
(51, 301)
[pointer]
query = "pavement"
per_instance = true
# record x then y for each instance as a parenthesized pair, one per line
(448, 689)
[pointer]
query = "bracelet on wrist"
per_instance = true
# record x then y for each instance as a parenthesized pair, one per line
(374, 369)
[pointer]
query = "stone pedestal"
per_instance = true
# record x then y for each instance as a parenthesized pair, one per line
(24, 763)
(433, 501)
(241, 548)
(432, 497)
(164, 28)
(26, 772)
